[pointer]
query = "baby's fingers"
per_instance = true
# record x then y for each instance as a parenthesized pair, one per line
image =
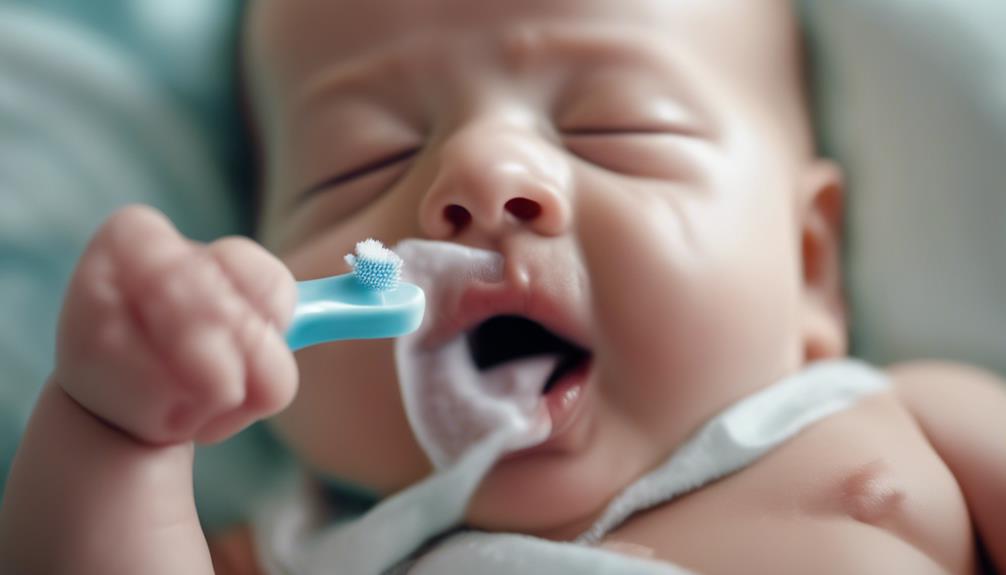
(269, 291)
(171, 340)
(266, 284)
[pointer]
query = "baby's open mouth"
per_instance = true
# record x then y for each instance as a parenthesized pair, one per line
(505, 338)
(494, 354)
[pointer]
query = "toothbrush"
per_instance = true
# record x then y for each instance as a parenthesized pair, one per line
(370, 302)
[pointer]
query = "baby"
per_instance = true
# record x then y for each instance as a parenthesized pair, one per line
(645, 168)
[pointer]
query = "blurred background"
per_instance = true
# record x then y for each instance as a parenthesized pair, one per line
(104, 103)
(108, 102)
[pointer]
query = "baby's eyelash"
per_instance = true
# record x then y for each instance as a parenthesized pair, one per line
(629, 131)
(354, 173)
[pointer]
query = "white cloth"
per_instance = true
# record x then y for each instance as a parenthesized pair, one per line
(291, 543)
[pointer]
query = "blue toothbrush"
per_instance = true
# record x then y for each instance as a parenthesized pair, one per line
(370, 302)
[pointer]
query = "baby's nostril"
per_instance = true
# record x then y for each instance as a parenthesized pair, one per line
(458, 216)
(523, 208)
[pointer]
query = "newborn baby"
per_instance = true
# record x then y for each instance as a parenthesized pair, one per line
(646, 170)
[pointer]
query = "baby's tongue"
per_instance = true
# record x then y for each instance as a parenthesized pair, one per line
(450, 404)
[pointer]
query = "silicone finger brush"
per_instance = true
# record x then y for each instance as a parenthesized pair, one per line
(370, 302)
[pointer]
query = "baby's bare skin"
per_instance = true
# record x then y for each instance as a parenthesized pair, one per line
(671, 131)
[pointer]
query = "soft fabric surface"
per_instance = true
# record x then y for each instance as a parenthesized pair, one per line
(107, 102)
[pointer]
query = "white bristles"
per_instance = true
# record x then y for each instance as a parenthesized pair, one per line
(375, 266)
(371, 249)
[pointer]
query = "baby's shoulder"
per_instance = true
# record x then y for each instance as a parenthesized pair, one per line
(925, 386)
(961, 409)
(962, 412)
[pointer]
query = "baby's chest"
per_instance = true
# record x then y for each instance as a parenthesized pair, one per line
(861, 492)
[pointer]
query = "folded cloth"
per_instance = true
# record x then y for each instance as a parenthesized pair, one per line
(292, 539)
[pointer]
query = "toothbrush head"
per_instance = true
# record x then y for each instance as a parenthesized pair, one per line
(375, 266)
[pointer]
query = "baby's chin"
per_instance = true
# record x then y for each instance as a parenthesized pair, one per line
(555, 497)
(547, 523)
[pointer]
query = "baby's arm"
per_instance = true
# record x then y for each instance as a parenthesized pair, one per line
(963, 413)
(162, 342)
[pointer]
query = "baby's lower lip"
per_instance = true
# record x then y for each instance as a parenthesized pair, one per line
(565, 402)
(565, 397)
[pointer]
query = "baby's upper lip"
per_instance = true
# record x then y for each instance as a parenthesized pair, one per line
(481, 300)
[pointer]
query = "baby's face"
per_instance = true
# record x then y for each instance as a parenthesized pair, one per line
(644, 168)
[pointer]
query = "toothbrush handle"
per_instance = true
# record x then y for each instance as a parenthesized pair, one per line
(340, 308)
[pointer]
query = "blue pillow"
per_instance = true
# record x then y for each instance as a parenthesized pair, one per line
(185, 47)
(86, 127)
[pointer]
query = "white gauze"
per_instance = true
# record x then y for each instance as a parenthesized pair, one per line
(450, 404)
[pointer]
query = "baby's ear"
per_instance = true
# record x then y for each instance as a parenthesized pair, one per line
(822, 202)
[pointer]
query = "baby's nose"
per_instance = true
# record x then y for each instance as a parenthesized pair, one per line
(493, 179)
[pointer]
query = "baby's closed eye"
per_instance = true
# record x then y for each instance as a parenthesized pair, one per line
(361, 170)
(345, 144)
(640, 153)
(632, 125)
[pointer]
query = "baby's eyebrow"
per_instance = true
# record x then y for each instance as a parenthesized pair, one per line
(596, 45)
(520, 47)
(359, 72)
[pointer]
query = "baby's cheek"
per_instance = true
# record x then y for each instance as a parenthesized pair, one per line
(693, 307)
(348, 421)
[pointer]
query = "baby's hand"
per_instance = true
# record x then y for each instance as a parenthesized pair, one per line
(173, 341)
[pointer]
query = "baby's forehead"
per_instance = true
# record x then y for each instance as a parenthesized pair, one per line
(296, 34)
(751, 46)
